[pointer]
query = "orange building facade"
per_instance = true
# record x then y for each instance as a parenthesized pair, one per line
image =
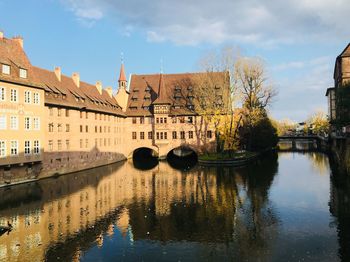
(52, 124)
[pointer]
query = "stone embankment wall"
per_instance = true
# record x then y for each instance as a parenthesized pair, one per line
(340, 150)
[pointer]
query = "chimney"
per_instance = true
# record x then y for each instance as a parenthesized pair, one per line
(76, 79)
(109, 91)
(58, 73)
(99, 87)
(1, 34)
(19, 40)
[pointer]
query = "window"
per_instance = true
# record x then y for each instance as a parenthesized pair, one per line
(95, 129)
(174, 135)
(2, 149)
(161, 120)
(134, 120)
(81, 143)
(86, 129)
(2, 122)
(161, 135)
(165, 120)
(157, 120)
(36, 149)
(67, 112)
(209, 134)
(190, 119)
(182, 134)
(6, 69)
(27, 95)
(14, 122)
(81, 129)
(50, 145)
(2, 94)
(22, 73)
(150, 135)
(27, 123)
(26, 147)
(165, 135)
(67, 128)
(36, 98)
(100, 129)
(14, 148)
(173, 120)
(36, 123)
(134, 135)
(59, 127)
(190, 134)
(59, 145)
(86, 143)
(13, 95)
(157, 135)
(182, 120)
(142, 120)
(81, 114)
(142, 135)
(59, 111)
(67, 144)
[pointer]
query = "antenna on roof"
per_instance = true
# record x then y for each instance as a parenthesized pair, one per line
(161, 65)
(122, 57)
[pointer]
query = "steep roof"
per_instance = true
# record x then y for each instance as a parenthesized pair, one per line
(173, 89)
(66, 93)
(122, 76)
(163, 97)
(344, 53)
(12, 54)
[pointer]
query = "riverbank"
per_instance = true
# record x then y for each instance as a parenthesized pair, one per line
(238, 158)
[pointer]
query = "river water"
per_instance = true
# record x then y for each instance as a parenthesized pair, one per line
(286, 207)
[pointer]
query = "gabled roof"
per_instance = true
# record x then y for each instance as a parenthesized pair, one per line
(12, 54)
(66, 93)
(173, 89)
(344, 53)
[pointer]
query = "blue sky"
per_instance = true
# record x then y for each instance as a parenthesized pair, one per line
(298, 39)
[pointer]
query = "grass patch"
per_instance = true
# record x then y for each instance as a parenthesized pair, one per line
(227, 155)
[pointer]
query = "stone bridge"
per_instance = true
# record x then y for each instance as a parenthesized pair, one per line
(163, 147)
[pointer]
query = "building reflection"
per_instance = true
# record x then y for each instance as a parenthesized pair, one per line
(61, 218)
(340, 209)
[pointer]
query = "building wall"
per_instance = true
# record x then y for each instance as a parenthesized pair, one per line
(194, 134)
(78, 139)
(21, 110)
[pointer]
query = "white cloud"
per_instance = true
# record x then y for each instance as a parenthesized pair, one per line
(265, 23)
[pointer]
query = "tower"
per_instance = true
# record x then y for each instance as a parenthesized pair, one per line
(122, 94)
(122, 78)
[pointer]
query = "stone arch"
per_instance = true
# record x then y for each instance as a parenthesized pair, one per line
(132, 151)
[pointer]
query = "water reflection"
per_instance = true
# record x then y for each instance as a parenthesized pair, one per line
(119, 211)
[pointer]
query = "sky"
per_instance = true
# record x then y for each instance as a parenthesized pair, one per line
(298, 40)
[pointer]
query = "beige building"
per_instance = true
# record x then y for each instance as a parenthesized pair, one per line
(22, 114)
(51, 123)
(161, 114)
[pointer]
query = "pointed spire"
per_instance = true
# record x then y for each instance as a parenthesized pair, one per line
(122, 78)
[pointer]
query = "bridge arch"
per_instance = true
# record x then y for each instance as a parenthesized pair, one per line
(182, 157)
(144, 158)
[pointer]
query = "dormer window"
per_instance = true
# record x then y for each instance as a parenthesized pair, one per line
(6, 69)
(189, 88)
(22, 73)
(177, 88)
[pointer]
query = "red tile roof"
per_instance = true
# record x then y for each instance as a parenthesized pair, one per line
(12, 54)
(60, 93)
(173, 89)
